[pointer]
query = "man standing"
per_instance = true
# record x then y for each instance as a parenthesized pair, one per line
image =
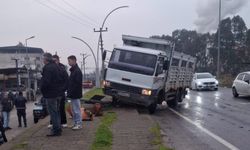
(75, 91)
(2, 129)
(50, 88)
(6, 108)
(64, 87)
(20, 103)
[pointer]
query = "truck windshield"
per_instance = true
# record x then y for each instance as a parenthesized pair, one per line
(133, 62)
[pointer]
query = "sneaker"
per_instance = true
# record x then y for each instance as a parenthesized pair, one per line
(64, 125)
(77, 127)
(50, 126)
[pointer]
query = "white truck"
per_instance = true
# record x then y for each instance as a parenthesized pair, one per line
(147, 71)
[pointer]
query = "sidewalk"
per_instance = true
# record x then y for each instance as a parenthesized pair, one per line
(35, 138)
(131, 131)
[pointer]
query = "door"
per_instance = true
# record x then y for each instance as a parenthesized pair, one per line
(239, 83)
(245, 84)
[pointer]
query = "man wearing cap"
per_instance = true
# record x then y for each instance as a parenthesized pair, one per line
(50, 88)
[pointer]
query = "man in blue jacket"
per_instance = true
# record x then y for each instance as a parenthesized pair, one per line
(50, 88)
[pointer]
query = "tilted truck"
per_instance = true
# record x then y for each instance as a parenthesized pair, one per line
(147, 71)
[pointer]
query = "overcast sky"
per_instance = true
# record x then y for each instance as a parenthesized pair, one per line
(21, 19)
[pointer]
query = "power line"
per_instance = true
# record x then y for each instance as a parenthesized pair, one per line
(80, 12)
(66, 11)
(60, 13)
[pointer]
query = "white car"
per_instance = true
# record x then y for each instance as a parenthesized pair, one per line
(204, 81)
(241, 85)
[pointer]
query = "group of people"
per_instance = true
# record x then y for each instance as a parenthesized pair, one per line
(6, 104)
(55, 83)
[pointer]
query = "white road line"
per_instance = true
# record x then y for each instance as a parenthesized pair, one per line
(216, 137)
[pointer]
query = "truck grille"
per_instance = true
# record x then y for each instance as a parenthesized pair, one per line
(126, 88)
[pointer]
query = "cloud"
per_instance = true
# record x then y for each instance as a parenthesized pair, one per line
(208, 12)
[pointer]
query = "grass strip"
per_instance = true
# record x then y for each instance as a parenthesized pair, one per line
(157, 141)
(103, 136)
(93, 92)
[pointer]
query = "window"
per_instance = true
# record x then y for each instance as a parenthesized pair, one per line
(190, 65)
(184, 63)
(204, 76)
(133, 62)
(247, 77)
(240, 76)
(175, 62)
(160, 65)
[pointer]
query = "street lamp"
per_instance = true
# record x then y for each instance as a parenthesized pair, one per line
(28, 65)
(100, 41)
(97, 67)
(84, 57)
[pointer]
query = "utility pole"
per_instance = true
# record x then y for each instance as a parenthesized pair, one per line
(28, 66)
(101, 47)
(84, 56)
(17, 73)
(219, 37)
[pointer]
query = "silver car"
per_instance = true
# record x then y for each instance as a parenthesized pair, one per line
(204, 81)
(241, 85)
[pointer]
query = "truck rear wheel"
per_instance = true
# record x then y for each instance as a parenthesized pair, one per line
(172, 103)
(152, 108)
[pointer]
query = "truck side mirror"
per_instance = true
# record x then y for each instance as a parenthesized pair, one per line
(166, 65)
(104, 54)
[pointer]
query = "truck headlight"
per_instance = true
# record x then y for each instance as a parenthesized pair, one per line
(146, 92)
(106, 83)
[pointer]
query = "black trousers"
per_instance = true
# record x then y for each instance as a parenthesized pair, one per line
(62, 111)
(21, 113)
(2, 130)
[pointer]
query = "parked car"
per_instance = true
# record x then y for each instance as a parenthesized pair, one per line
(241, 85)
(40, 110)
(87, 84)
(204, 81)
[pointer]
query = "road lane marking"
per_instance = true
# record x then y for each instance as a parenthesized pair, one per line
(216, 137)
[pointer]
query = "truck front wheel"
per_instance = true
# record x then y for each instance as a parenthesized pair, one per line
(152, 108)
(36, 120)
(114, 101)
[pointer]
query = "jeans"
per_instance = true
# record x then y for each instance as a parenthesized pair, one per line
(54, 111)
(62, 111)
(6, 119)
(76, 110)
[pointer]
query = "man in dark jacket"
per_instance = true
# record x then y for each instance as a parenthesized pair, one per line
(20, 103)
(50, 88)
(64, 87)
(2, 129)
(75, 91)
(6, 108)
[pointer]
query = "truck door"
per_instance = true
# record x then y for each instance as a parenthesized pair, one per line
(159, 73)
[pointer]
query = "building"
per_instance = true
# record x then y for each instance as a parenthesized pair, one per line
(29, 61)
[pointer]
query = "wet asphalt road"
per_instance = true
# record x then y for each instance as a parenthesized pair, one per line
(207, 120)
